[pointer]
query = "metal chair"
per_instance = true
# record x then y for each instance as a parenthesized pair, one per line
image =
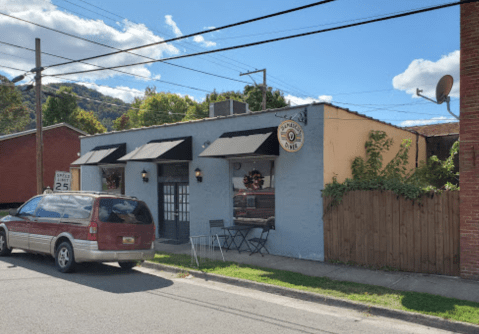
(261, 241)
(216, 230)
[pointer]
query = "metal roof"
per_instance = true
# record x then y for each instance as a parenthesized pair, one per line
(45, 128)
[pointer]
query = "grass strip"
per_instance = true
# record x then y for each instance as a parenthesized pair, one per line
(3, 213)
(424, 303)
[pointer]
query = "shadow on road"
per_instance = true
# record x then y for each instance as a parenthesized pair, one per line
(99, 276)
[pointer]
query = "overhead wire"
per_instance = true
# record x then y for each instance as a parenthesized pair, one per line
(207, 31)
(285, 37)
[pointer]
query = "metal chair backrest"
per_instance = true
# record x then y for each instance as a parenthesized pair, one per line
(217, 225)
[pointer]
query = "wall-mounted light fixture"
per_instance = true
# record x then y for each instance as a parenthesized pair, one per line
(144, 175)
(206, 144)
(199, 175)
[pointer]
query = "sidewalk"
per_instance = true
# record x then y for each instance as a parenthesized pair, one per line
(447, 286)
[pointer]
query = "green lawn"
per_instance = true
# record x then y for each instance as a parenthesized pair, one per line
(448, 308)
(3, 213)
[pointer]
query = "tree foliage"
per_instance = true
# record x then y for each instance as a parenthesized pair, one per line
(369, 174)
(436, 173)
(14, 116)
(64, 109)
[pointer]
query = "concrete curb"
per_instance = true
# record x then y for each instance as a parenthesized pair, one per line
(421, 319)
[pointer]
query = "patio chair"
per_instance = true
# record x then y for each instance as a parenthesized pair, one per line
(259, 243)
(216, 230)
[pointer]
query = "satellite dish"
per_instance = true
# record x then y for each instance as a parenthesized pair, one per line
(443, 88)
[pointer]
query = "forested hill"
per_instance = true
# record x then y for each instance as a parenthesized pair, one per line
(106, 113)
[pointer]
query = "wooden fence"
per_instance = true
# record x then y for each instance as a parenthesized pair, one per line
(378, 228)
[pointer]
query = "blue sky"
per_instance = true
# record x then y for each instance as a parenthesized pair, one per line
(372, 69)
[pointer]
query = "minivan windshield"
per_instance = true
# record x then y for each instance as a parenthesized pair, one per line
(118, 210)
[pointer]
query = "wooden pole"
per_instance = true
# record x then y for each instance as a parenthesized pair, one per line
(264, 89)
(264, 84)
(38, 103)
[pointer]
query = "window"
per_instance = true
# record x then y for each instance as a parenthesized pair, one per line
(28, 209)
(50, 207)
(116, 210)
(253, 186)
(77, 207)
(113, 180)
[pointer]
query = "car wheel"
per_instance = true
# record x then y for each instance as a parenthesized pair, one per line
(4, 251)
(64, 258)
(127, 265)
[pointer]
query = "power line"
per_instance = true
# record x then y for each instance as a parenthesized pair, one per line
(207, 31)
(288, 37)
(111, 47)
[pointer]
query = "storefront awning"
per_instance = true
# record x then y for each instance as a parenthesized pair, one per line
(165, 149)
(259, 142)
(107, 154)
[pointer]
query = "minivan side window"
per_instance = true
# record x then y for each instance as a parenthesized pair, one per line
(77, 207)
(50, 207)
(29, 208)
(116, 210)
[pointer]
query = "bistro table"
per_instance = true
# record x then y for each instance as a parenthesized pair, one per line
(240, 232)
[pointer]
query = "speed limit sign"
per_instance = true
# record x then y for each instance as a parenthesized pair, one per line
(63, 181)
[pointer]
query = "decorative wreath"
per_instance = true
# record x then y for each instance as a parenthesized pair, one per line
(253, 180)
(113, 180)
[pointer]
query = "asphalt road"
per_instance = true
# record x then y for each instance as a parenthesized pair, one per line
(101, 298)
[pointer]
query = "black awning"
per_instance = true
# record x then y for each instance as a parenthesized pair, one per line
(107, 154)
(259, 142)
(165, 149)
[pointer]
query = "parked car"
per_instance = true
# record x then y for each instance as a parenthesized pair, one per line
(76, 227)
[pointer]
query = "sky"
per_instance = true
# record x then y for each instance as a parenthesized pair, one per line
(372, 69)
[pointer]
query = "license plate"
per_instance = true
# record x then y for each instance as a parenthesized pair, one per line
(128, 240)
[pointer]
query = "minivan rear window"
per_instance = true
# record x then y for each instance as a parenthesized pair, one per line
(117, 210)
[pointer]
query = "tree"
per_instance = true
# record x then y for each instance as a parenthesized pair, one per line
(60, 109)
(253, 95)
(14, 116)
(64, 108)
(371, 168)
(438, 173)
(86, 121)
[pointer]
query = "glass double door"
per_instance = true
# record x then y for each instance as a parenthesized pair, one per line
(175, 197)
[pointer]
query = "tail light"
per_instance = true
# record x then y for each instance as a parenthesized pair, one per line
(92, 231)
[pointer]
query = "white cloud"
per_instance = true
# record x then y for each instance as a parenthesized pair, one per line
(45, 13)
(424, 74)
(201, 40)
(433, 120)
(169, 21)
(308, 100)
(123, 93)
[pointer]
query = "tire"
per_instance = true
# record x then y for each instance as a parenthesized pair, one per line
(127, 265)
(64, 259)
(4, 250)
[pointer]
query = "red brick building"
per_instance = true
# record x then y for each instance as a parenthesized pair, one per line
(61, 145)
(469, 149)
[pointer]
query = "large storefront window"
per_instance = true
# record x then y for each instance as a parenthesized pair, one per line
(113, 180)
(253, 186)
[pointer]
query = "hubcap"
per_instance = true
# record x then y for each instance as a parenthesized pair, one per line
(2, 242)
(63, 257)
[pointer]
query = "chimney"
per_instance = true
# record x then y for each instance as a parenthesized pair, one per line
(228, 107)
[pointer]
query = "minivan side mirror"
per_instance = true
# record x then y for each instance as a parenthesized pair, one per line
(13, 212)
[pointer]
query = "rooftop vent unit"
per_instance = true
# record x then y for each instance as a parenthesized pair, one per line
(228, 107)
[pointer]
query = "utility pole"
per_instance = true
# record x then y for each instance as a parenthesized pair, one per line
(264, 84)
(38, 101)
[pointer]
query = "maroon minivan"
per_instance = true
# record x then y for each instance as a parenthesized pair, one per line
(77, 227)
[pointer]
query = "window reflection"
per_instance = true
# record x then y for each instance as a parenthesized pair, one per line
(254, 193)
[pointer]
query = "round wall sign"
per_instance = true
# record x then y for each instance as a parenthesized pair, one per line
(290, 136)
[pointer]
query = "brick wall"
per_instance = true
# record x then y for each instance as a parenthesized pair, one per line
(469, 136)
(18, 162)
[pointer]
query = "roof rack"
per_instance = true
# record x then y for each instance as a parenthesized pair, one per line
(90, 192)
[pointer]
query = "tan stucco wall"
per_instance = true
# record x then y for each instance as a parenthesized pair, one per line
(345, 134)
